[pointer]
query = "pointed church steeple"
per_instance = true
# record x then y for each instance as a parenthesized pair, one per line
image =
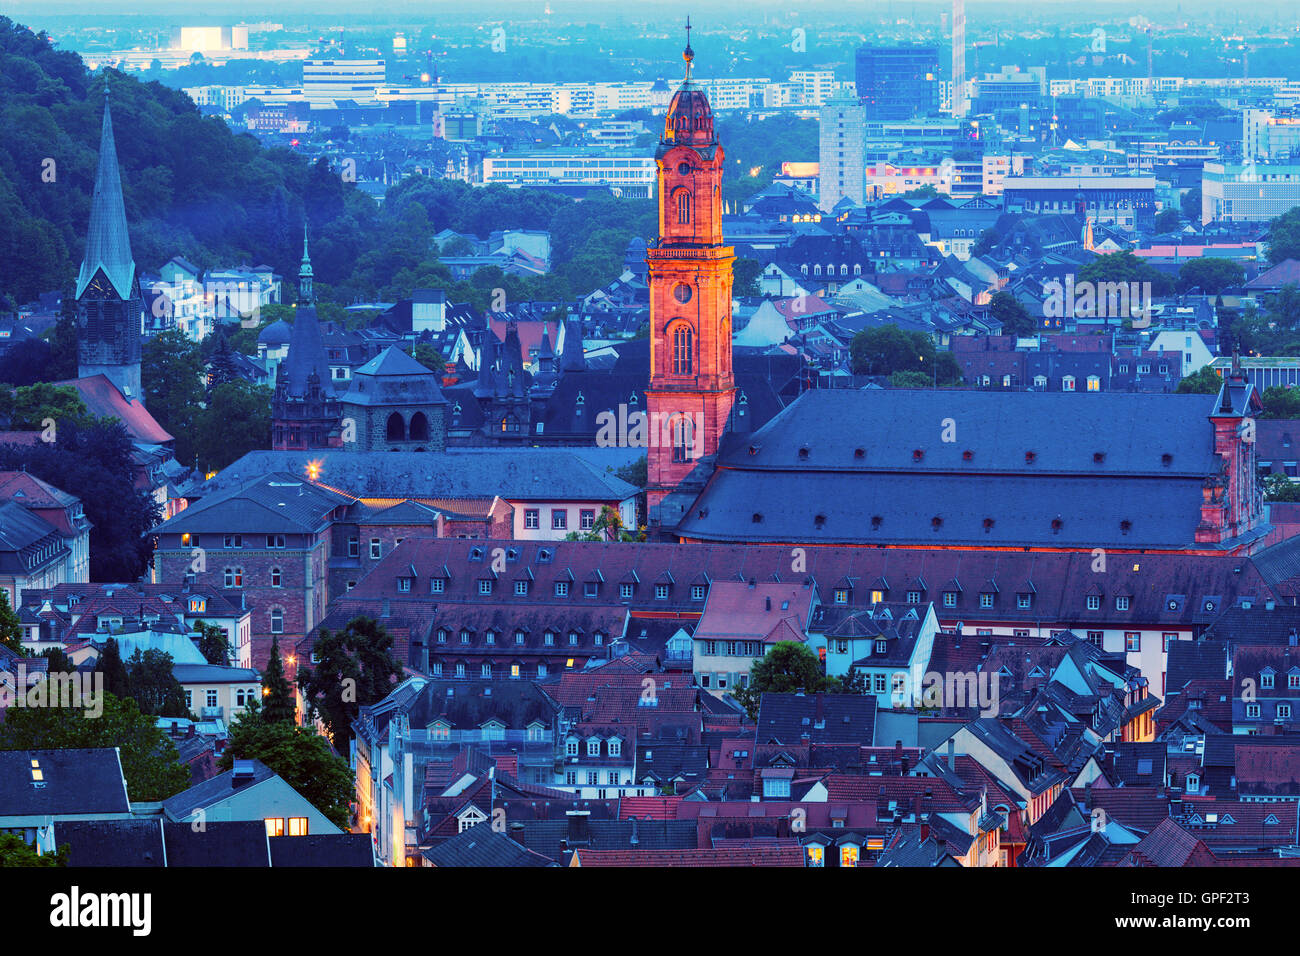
(108, 246)
(109, 304)
(305, 294)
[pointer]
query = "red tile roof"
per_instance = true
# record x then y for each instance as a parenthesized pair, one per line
(103, 400)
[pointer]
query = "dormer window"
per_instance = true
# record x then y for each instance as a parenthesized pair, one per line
(986, 600)
(949, 598)
(1266, 680)
(1094, 602)
(485, 586)
(882, 647)
(1023, 601)
(615, 747)
(437, 585)
(593, 748)
(841, 595)
(404, 585)
(1121, 603)
(913, 597)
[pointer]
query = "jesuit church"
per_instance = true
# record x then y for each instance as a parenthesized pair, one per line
(905, 468)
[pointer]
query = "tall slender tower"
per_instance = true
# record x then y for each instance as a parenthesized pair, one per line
(690, 275)
(109, 304)
(958, 58)
(305, 410)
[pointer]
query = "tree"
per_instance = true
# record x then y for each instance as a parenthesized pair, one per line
(59, 662)
(1204, 381)
(1190, 204)
(213, 643)
(154, 687)
(1280, 488)
(1126, 268)
(11, 630)
(1211, 275)
(171, 374)
(430, 357)
(301, 757)
(787, 667)
(1168, 220)
(1281, 401)
(221, 358)
(888, 349)
(1284, 236)
(149, 760)
(29, 407)
(277, 694)
(910, 380)
(63, 340)
(1015, 318)
(356, 668)
(14, 851)
(237, 420)
(95, 463)
(745, 282)
(116, 680)
(986, 242)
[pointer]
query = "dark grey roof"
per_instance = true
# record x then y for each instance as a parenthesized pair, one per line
(108, 245)
(111, 842)
(394, 378)
(213, 790)
(323, 849)
(306, 354)
(258, 502)
(872, 465)
(72, 782)
(514, 473)
(825, 718)
(557, 839)
(482, 846)
(226, 843)
(214, 674)
(1195, 660)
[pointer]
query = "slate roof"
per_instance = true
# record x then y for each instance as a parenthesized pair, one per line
(75, 781)
(220, 843)
(111, 842)
(1195, 660)
(557, 839)
(1013, 475)
(306, 355)
(825, 718)
(273, 501)
(482, 846)
(323, 849)
(754, 854)
(537, 473)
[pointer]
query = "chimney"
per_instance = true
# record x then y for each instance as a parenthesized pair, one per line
(767, 602)
(952, 755)
(241, 775)
(635, 840)
(1291, 638)
(579, 829)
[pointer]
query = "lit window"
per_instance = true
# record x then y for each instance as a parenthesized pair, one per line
(275, 826)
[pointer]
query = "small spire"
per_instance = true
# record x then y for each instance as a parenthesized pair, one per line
(688, 54)
(305, 273)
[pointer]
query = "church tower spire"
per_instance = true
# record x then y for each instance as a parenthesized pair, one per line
(109, 303)
(305, 294)
(691, 387)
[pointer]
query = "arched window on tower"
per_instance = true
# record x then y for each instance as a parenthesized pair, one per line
(683, 438)
(684, 207)
(396, 428)
(419, 427)
(683, 350)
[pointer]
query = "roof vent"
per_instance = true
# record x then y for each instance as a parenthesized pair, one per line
(967, 455)
(1098, 457)
(1166, 459)
(988, 525)
(757, 518)
(803, 453)
(875, 522)
(819, 521)
(1030, 456)
(918, 454)
(936, 522)
(1125, 526)
(859, 453)
(1056, 525)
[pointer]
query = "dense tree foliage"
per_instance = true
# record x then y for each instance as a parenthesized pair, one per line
(1204, 381)
(154, 687)
(1013, 315)
(277, 693)
(787, 667)
(14, 851)
(356, 667)
(889, 349)
(1284, 237)
(95, 464)
(149, 760)
(1210, 275)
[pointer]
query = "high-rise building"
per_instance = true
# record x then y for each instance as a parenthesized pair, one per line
(690, 275)
(898, 82)
(109, 304)
(842, 162)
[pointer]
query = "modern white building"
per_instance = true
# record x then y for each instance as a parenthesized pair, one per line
(1249, 193)
(630, 172)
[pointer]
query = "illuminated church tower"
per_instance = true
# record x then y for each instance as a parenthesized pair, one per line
(690, 274)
